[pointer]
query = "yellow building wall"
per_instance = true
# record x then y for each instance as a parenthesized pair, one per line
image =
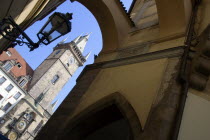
(203, 15)
(138, 83)
(156, 45)
(31, 10)
(195, 122)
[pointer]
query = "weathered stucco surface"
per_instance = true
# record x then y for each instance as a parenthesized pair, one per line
(139, 83)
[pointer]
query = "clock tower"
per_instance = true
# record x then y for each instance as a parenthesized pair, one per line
(50, 77)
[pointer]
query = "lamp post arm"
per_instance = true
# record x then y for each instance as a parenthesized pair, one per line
(12, 32)
(21, 31)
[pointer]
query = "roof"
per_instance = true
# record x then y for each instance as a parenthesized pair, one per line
(24, 70)
(16, 71)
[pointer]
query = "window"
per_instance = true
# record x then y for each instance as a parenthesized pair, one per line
(1, 97)
(9, 87)
(6, 107)
(55, 79)
(23, 82)
(2, 80)
(30, 116)
(8, 66)
(39, 98)
(17, 95)
(19, 65)
(8, 53)
(29, 77)
(57, 52)
(38, 127)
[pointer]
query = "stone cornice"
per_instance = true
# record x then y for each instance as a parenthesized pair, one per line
(167, 53)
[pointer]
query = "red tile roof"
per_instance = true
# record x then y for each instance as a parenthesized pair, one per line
(17, 72)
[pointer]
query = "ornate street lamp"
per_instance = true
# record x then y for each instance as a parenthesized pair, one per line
(57, 26)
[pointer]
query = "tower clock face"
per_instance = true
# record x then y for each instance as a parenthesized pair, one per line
(21, 125)
(12, 135)
(71, 60)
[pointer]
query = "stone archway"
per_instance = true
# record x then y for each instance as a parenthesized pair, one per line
(115, 24)
(110, 118)
(113, 21)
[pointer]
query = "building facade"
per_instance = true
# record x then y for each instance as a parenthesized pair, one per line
(25, 111)
(16, 75)
(10, 95)
(150, 81)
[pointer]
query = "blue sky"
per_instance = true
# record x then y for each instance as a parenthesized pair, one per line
(83, 22)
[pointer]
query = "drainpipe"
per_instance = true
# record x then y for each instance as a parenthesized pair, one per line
(184, 70)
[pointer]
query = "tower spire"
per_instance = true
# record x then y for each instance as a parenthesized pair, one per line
(87, 56)
(81, 42)
(63, 41)
(54, 104)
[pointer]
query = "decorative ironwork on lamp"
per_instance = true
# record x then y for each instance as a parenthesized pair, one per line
(57, 26)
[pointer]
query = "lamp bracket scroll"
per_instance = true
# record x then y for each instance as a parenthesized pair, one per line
(58, 22)
(12, 32)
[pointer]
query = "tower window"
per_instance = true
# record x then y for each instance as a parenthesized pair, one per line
(8, 66)
(55, 79)
(23, 82)
(9, 88)
(29, 77)
(2, 80)
(57, 52)
(8, 53)
(6, 107)
(39, 98)
(17, 95)
(38, 127)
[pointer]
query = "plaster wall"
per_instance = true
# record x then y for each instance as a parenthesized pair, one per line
(135, 47)
(195, 122)
(138, 83)
(203, 14)
(167, 44)
(26, 11)
(8, 96)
